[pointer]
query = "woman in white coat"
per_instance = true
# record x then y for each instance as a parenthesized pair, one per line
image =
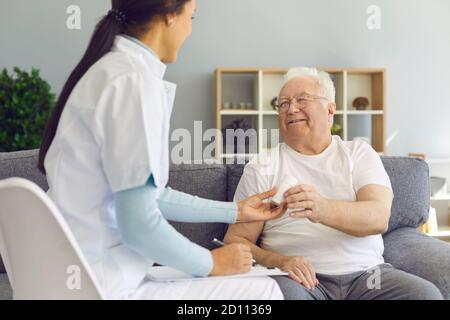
(105, 154)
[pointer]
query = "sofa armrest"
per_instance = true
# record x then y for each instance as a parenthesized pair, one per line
(414, 252)
(411, 185)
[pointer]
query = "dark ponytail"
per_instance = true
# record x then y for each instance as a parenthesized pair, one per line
(127, 16)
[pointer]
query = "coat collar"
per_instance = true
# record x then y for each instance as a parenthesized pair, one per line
(128, 46)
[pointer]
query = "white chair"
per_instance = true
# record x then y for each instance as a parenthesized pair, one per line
(40, 254)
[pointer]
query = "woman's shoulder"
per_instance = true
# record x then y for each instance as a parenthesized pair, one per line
(112, 66)
(115, 70)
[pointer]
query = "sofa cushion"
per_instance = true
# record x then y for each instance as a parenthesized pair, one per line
(205, 181)
(412, 251)
(234, 172)
(410, 183)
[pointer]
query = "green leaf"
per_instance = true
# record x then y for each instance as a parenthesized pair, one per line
(26, 103)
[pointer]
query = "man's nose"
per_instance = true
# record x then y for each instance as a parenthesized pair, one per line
(293, 108)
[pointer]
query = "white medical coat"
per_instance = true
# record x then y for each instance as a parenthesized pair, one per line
(113, 134)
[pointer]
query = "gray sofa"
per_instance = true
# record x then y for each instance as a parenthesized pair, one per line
(405, 247)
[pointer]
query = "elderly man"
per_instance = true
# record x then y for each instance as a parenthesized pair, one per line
(329, 238)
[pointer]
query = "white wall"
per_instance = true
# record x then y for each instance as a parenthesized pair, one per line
(413, 44)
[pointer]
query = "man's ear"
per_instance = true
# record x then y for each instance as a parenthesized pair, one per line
(331, 111)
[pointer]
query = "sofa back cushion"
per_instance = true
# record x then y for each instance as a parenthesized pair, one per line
(410, 183)
(205, 181)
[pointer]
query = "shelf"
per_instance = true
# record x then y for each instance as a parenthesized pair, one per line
(438, 161)
(368, 112)
(271, 136)
(238, 155)
(444, 232)
(238, 112)
(442, 197)
(339, 112)
(270, 113)
(257, 87)
(271, 83)
(338, 78)
(368, 84)
(356, 71)
(359, 125)
(239, 88)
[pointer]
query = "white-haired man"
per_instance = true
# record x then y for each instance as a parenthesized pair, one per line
(329, 240)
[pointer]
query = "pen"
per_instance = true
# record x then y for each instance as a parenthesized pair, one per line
(219, 243)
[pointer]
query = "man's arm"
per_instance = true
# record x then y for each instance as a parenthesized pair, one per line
(368, 215)
(251, 182)
(248, 234)
(298, 268)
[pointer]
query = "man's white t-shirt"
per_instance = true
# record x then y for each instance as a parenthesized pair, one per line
(337, 173)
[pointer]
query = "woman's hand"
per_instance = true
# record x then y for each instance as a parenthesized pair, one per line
(255, 209)
(300, 270)
(231, 259)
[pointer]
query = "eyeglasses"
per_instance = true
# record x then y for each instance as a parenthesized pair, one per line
(283, 104)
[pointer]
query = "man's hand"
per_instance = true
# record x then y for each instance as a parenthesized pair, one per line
(305, 202)
(255, 209)
(300, 270)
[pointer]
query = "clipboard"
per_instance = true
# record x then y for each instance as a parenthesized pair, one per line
(168, 274)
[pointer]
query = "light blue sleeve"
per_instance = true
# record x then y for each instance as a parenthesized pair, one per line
(144, 229)
(183, 207)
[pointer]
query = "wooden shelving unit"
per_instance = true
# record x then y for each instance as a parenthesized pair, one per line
(441, 206)
(438, 225)
(256, 87)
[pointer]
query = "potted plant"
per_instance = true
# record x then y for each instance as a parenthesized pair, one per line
(26, 102)
(336, 129)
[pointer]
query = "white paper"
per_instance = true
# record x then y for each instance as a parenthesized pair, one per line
(169, 274)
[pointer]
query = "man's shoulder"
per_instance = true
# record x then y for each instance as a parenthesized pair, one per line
(266, 160)
(354, 147)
